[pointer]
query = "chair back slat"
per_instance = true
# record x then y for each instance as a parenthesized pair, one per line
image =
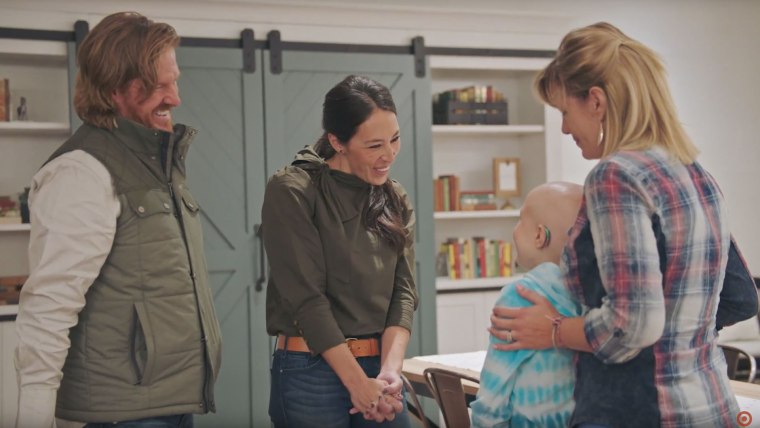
(448, 392)
(741, 365)
(413, 403)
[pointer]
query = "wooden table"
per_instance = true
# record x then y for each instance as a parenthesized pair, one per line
(747, 393)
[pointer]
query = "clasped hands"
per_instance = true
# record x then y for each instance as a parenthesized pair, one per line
(379, 399)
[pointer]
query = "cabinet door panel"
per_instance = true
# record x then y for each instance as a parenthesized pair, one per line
(8, 383)
(293, 105)
(463, 320)
(460, 322)
(225, 168)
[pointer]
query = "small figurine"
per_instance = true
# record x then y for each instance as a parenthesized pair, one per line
(21, 111)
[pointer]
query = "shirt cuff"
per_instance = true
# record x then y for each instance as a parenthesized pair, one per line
(36, 408)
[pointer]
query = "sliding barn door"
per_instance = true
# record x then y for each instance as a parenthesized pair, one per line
(225, 170)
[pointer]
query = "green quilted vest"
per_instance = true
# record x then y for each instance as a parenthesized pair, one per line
(147, 342)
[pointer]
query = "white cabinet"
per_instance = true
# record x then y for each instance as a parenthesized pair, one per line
(37, 71)
(467, 151)
(463, 318)
(8, 385)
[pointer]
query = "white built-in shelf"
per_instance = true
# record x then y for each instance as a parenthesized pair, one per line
(15, 227)
(30, 127)
(443, 283)
(490, 63)
(488, 129)
(461, 215)
(13, 49)
(8, 310)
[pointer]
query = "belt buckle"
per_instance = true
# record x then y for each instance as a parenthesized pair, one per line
(349, 341)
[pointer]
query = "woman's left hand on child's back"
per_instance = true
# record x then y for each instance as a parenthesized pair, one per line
(524, 328)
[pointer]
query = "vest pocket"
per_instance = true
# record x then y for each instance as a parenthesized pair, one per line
(142, 347)
(147, 203)
(190, 203)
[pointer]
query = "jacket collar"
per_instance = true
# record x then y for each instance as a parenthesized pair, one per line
(148, 141)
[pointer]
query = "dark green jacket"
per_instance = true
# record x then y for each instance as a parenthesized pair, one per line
(330, 278)
(147, 342)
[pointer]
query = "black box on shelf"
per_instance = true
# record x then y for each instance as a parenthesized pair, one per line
(450, 112)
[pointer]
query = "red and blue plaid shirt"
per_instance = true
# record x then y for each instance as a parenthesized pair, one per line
(647, 258)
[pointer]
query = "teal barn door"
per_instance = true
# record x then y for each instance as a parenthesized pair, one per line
(293, 105)
(225, 171)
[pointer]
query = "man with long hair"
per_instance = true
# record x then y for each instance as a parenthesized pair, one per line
(116, 321)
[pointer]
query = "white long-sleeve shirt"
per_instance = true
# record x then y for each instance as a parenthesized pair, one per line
(73, 210)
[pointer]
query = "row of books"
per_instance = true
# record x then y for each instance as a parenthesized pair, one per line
(477, 257)
(446, 193)
(470, 94)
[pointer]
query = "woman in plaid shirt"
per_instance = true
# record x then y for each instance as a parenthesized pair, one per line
(650, 254)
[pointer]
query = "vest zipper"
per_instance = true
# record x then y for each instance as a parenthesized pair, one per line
(180, 219)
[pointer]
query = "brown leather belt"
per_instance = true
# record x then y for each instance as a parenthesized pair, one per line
(358, 347)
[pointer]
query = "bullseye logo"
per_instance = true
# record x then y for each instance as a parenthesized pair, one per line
(744, 418)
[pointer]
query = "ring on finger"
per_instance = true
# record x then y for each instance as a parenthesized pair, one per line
(509, 336)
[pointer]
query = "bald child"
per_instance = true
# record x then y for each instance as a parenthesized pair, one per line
(528, 388)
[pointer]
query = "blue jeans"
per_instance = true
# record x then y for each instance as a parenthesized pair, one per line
(306, 392)
(173, 421)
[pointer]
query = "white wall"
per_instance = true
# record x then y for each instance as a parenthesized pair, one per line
(710, 48)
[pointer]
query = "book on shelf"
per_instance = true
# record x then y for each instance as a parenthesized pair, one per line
(477, 257)
(5, 100)
(446, 193)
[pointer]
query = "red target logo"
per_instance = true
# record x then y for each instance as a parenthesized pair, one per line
(744, 418)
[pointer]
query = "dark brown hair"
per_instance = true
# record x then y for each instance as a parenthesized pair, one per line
(123, 46)
(347, 105)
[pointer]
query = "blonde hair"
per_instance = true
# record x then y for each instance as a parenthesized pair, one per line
(123, 46)
(640, 110)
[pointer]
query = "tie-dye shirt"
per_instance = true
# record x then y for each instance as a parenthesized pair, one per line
(528, 388)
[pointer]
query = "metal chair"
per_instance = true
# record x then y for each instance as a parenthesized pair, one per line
(446, 386)
(413, 403)
(741, 365)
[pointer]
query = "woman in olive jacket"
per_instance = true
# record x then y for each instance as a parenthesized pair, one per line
(341, 295)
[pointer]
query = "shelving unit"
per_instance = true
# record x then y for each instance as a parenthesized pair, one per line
(462, 215)
(447, 284)
(21, 227)
(38, 71)
(488, 129)
(34, 128)
(532, 135)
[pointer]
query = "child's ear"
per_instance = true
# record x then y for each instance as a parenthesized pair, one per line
(542, 237)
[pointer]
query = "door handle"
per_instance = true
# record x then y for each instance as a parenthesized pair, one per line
(262, 261)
